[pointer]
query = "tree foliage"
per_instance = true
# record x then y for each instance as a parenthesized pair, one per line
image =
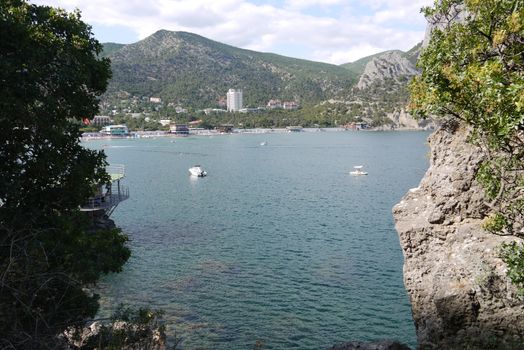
(473, 70)
(51, 77)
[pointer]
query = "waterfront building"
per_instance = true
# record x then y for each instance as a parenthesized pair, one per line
(115, 130)
(234, 100)
(179, 129)
(225, 128)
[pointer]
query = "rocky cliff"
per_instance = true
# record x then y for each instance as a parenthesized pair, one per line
(402, 120)
(460, 295)
(391, 65)
(456, 14)
(381, 95)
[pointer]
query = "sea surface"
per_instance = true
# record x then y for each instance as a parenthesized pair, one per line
(278, 246)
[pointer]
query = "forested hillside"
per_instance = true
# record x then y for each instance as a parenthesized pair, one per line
(190, 70)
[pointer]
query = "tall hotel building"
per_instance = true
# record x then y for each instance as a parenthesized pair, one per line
(234, 100)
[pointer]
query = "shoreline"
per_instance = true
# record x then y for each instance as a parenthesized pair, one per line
(158, 133)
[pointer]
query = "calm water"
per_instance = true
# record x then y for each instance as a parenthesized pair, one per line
(277, 244)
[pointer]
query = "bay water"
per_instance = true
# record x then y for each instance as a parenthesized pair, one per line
(278, 246)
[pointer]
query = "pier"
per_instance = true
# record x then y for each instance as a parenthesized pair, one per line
(107, 196)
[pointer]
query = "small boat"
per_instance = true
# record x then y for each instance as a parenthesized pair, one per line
(263, 143)
(197, 171)
(358, 171)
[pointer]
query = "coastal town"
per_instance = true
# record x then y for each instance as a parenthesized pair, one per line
(181, 122)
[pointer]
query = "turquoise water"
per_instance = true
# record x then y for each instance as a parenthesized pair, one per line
(277, 244)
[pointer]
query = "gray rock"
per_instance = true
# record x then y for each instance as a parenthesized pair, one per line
(460, 294)
(404, 121)
(390, 65)
(456, 14)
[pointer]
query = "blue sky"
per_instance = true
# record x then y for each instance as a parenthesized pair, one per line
(333, 31)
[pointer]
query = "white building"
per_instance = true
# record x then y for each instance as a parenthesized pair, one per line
(234, 100)
(272, 104)
(115, 130)
(290, 105)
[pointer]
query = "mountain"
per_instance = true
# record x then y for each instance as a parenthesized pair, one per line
(190, 70)
(109, 48)
(390, 66)
(359, 65)
(380, 97)
(194, 72)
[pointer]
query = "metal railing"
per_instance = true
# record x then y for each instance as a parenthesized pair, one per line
(116, 169)
(108, 196)
(107, 201)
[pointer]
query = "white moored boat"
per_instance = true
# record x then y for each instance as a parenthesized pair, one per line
(197, 171)
(358, 171)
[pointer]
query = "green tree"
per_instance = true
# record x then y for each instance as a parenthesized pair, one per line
(473, 71)
(50, 78)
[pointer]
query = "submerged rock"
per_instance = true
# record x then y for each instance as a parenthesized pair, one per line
(381, 345)
(460, 294)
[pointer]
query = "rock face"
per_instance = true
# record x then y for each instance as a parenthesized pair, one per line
(100, 221)
(391, 65)
(460, 295)
(402, 120)
(456, 14)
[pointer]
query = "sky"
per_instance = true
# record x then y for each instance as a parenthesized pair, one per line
(332, 31)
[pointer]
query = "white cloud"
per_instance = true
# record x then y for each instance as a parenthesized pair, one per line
(299, 4)
(350, 55)
(342, 31)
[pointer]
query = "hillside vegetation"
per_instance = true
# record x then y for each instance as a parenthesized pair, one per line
(191, 70)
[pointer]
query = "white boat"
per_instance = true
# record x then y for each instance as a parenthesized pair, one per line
(197, 171)
(263, 143)
(358, 171)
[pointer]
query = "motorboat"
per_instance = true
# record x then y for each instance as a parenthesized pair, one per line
(263, 143)
(197, 171)
(358, 171)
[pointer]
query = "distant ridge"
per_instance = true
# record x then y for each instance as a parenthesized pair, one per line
(191, 70)
(359, 65)
(381, 95)
(109, 48)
